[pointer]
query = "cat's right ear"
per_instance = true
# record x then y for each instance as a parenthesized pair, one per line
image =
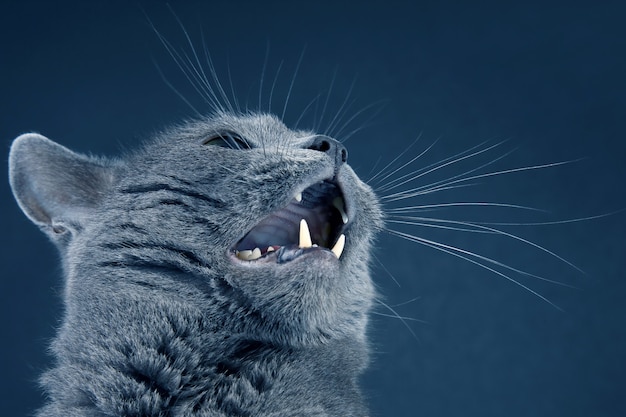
(54, 186)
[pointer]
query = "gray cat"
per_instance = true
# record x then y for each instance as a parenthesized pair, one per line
(221, 270)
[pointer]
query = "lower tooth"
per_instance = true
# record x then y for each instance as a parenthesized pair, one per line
(338, 248)
(256, 254)
(244, 254)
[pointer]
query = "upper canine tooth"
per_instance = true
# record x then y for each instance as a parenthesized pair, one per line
(298, 197)
(338, 203)
(305, 235)
(338, 248)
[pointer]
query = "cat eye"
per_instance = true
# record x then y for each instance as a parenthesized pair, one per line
(227, 140)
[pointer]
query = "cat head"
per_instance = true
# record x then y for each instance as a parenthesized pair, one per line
(265, 230)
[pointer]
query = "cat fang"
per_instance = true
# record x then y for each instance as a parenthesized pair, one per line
(304, 243)
(315, 219)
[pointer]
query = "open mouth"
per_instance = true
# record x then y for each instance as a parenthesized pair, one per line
(313, 220)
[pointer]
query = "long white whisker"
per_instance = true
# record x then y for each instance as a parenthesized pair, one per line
(576, 220)
(412, 300)
(381, 172)
(197, 70)
(267, 53)
(354, 116)
(399, 317)
(499, 232)
(338, 113)
(402, 220)
(182, 65)
(293, 80)
(453, 251)
(509, 171)
(306, 108)
(274, 85)
(434, 164)
(386, 270)
(440, 165)
(364, 125)
(232, 90)
(318, 124)
(171, 87)
(414, 192)
(216, 79)
(434, 186)
(460, 204)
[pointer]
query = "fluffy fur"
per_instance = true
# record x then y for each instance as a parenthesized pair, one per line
(160, 319)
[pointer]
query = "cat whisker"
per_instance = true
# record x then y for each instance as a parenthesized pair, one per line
(262, 79)
(306, 108)
(175, 90)
(338, 114)
(387, 175)
(293, 80)
(459, 204)
(467, 255)
(386, 270)
(499, 232)
(373, 180)
(196, 70)
(496, 173)
(556, 222)
(412, 300)
(280, 65)
(344, 138)
(418, 191)
(442, 184)
(400, 178)
(232, 87)
(216, 79)
(177, 60)
(318, 123)
(442, 164)
(477, 228)
(395, 314)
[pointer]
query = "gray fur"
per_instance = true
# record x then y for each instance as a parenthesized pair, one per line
(159, 321)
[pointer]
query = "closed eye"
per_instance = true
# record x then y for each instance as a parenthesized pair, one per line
(227, 140)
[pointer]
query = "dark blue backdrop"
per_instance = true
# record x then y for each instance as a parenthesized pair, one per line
(550, 78)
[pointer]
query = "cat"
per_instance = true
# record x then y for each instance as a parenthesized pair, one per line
(220, 270)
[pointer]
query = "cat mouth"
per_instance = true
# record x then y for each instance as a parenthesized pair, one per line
(313, 220)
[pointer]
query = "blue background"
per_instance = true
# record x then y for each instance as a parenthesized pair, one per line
(550, 78)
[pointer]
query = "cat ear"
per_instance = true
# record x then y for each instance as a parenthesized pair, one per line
(54, 186)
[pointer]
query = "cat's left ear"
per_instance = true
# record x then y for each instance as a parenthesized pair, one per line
(54, 186)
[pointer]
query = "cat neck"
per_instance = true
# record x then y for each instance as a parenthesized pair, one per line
(162, 356)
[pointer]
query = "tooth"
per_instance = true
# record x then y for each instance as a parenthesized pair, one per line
(270, 249)
(338, 248)
(244, 254)
(256, 254)
(305, 235)
(298, 197)
(339, 205)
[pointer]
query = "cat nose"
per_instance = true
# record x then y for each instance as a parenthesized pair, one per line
(332, 147)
